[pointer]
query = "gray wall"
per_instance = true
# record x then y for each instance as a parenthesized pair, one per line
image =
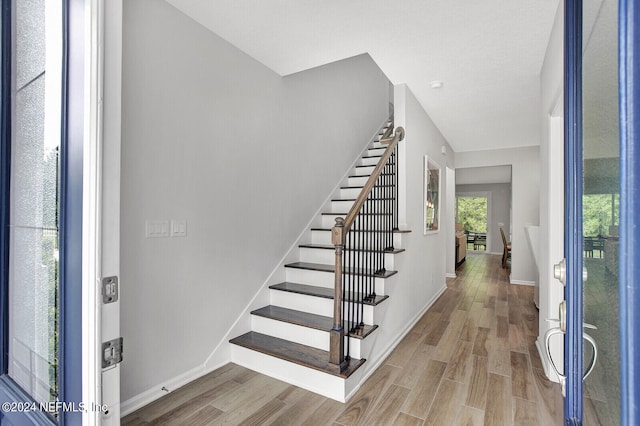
(422, 267)
(500, 203)
(246, 157)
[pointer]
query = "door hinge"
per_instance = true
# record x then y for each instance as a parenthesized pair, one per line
(109, 290)
(112, 352)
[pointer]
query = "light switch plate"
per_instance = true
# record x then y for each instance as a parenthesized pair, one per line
(157, 228)
(178, 228)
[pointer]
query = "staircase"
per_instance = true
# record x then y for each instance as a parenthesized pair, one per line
(302, 337)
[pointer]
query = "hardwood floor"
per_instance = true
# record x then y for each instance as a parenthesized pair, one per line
(470, 360)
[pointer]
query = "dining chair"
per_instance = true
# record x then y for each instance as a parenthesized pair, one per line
(506, 251)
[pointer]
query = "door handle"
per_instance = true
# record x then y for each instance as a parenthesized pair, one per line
(594, 354)
(592, 362)
(560, 272)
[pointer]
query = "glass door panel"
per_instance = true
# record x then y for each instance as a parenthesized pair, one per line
(33, 278)
(600, 210)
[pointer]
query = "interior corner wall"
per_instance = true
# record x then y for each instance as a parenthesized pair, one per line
(421, 267)
(244, 156)
(450, 222)
(525, 190)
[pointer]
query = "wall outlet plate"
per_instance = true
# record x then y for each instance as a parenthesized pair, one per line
(178, 228)
(157, 228)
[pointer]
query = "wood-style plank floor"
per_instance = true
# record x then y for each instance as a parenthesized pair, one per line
(470, 360)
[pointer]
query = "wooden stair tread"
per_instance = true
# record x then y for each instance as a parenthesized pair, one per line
(344, 214)
(332, 247)
(354, 199)
(306, 319)
(360, 187)
(293, 352)
(395, 231)
(370, 165)
(366, 176)
(331, 268)
(324, 292)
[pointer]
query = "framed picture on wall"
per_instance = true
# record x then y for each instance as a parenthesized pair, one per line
(431, 202)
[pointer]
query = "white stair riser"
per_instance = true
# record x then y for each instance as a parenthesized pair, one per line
(341, 206)
(369, 161)
(363, 171)
(314, 305)
(329, 220)
(299, 334)
(324, 237)
(307, 378)
(322, 279)
(326, 256)
(375, 151)
(357, 181)
(350, 193)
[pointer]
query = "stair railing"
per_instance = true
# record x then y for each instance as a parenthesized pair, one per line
(361, 240)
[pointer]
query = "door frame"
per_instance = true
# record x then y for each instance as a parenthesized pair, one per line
(573, 239)
(80, 219)
(629, 293)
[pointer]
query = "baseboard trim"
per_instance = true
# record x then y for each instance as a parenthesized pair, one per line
(156, 392)
(522, 282)
(450, 275)
(378, 362)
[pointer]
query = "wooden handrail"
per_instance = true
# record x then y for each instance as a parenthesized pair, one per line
(391, 142)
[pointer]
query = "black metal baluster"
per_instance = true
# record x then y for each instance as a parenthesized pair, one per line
(365, 265)
(395, 186)
(376, 208)
(359, 266)
(392, 196)
(345, 284)
(386, 204)
(381, 218)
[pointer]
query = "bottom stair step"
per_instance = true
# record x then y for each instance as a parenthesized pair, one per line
(293, 352)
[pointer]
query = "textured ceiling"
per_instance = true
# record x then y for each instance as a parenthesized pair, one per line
(488, 53)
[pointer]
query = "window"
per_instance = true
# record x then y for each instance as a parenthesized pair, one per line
(471, 212)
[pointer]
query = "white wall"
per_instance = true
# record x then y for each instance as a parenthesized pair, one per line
(551, 183)
(422, 268)
(246, 157)
(450, 222)
(499, 198)
(525, 187)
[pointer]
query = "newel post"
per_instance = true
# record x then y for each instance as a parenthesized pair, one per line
(336, 342)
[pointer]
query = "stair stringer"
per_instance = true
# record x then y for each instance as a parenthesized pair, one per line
(221, 353)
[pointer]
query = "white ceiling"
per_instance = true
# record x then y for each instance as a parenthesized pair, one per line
(488, 53)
